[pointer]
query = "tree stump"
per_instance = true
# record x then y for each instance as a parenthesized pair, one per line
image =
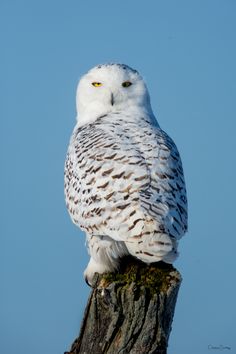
(131, 311)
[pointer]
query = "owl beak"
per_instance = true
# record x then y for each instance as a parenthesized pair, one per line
(112, 99)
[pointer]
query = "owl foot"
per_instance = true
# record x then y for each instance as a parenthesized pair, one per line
(95, 267)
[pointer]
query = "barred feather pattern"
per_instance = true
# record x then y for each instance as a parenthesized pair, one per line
(124, 186)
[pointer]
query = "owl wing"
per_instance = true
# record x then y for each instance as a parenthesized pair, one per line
(103, 176)
(114, 184)
(165, 198)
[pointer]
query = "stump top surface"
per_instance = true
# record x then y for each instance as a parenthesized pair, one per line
(157, 277)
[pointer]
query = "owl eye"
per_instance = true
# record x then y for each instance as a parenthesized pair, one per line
(126, 84)
(97, 84)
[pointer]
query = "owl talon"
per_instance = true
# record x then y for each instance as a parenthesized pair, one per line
(86, 280)
(93, 268)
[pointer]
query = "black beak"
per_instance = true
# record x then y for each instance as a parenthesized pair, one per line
(112, 99)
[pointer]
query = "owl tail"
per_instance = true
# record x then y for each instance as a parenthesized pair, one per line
(153, 247)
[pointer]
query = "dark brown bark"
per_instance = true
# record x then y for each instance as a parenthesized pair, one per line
(130, 312)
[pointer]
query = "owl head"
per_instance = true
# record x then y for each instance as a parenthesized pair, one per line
(111, 88)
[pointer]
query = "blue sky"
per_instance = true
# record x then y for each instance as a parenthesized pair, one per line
(186, 52)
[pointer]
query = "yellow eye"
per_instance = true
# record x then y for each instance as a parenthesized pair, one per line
(126, 84)
(97, 84)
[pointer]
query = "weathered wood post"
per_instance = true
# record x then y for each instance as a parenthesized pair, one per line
(131, 311)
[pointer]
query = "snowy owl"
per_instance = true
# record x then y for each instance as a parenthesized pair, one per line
(124, 182)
